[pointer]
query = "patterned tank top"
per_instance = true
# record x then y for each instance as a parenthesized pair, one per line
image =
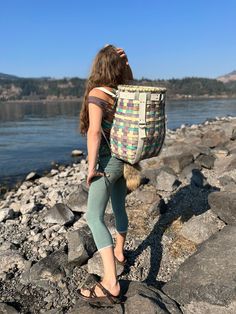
(107, 119)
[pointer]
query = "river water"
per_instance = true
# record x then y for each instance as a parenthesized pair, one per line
(34, 135)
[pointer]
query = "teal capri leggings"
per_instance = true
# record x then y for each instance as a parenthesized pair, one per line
(101, 189)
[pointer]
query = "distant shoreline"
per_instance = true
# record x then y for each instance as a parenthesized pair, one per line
(79, 99)
(27, 101)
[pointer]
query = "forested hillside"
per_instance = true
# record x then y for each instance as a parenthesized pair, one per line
(15, 88)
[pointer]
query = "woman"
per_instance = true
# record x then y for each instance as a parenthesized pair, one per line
(110, 68)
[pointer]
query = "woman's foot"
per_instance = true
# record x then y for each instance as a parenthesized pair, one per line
(113, 288)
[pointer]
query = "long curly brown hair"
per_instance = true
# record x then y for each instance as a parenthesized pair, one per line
(108, 69)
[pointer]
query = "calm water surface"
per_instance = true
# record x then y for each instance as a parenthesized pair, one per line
(34, 135)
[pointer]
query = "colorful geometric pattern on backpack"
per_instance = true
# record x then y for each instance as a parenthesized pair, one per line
(139, 125)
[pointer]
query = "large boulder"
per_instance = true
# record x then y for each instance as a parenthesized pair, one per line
(213, 138)
(209, 275)
(206, 161)
(52, 268)
(206, 308)
(77, 200)
(200, 228)
(166, 180)
(138, 298)
(81, 245)
(178, 162)
(223, 204)
(59, 214)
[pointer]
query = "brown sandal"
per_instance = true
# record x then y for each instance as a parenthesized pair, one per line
(93, 298)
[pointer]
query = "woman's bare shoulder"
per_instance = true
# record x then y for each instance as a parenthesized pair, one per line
(100, 94)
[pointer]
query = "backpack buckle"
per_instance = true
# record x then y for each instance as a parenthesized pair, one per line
(142, 124)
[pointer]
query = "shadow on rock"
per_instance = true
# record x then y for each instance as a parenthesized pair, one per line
(186, 202)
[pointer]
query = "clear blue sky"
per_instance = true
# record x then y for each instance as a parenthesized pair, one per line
(163, 39)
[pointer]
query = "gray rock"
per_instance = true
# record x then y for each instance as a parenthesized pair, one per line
(220, 152)
(6, 245)
(139, 299)
(49, 269)
(55, 311)
(27, 208)
(206, 308)
(11, 259)
(166, 180)
(224, 165)
(232, 164)
(178, 162)
(77, 152)
(84, 308)
(231, 187)
(145, 195)
(32, 176)
(233, 136)
(149, 174)
(53, 172)
(157, 208)
(226, 179)
(177, 148)
(194, 176)
(187, 172)
(200, 228)
(47, 182)
(15, 206)
(84, 186)
(224, 205)
(95, 266)
(110, 222)
(213, 138)
(7, 309)
(81, 245)
(59, 214)
(6, 213)
(204, 150)
(77, 200)
(209, 274)
(54, 197)
(231, 146)
(205, 161)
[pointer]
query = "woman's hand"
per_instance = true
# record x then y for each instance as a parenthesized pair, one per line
(122, 54)
(93, 173)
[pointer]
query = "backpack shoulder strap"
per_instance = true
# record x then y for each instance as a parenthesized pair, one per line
(106, 91)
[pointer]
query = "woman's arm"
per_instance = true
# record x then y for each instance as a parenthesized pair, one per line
(93, 139)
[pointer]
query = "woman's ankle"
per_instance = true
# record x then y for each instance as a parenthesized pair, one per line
(118, 251)
(111, 282)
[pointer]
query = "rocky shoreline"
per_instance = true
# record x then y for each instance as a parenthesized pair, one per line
(180, 247)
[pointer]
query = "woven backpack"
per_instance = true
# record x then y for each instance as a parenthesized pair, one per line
(139, 125)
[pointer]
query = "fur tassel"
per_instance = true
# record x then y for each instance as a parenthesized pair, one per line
(132, 176)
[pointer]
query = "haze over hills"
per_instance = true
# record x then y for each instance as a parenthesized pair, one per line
(8, 76)
(228, 77)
